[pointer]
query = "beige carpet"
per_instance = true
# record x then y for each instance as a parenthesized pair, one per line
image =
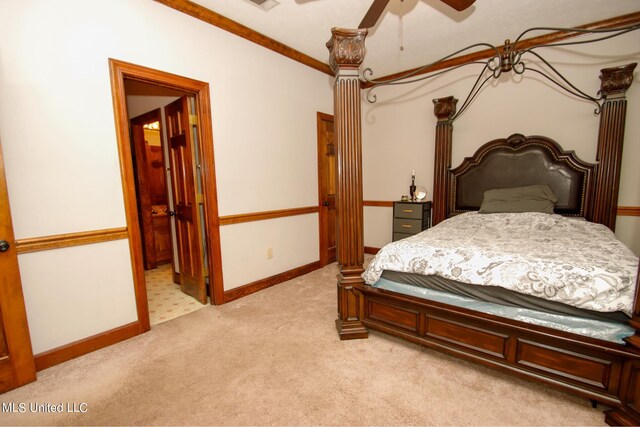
(262, 360)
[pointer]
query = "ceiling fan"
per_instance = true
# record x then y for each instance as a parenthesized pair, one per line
(375, 11)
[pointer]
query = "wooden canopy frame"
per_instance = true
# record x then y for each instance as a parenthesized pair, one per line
(591, 368)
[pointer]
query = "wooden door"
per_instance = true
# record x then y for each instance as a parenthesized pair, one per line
(151, 188)
(327, 188)
(16, 356)
(186, 200)
(162, 233)
(143, 188)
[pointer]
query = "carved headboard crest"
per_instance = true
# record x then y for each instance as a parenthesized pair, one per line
(515, 139)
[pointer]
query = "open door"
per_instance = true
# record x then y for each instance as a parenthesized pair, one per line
(143, 189)
(327, 188)
(151, 186)
(16, 356)
(186, 200)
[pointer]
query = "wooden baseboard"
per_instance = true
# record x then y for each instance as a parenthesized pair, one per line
(371, 250)
(87, 345)
(243, 291)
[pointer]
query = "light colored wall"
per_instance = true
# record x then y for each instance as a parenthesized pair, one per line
(246, 247)
(137, 105)
(58, 135)
(399, 130)
(152, 137)
(628, 230)
(77, 292)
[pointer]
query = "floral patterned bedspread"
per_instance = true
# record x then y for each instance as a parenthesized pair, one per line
(568, 260)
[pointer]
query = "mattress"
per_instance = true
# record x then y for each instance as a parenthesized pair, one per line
(498, 295)
(551, 257)
(605, 330)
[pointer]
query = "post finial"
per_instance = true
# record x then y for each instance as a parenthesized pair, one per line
(616, 81)
(346, 48)
(444, 108)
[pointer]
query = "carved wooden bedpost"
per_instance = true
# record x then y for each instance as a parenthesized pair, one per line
(444, 109)
(615, 83)
(629, 413)
(613, 88)
(346, 53)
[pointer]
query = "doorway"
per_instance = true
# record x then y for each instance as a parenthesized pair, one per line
(168, 294)
(152, 183)
(327, 169)
(188, 145)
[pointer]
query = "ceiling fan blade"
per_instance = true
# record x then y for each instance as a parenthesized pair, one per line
(458, 5)
(373, 14)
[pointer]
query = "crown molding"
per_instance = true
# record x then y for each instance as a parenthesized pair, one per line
(224, 23)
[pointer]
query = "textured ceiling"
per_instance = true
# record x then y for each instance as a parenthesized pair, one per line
(426, 29)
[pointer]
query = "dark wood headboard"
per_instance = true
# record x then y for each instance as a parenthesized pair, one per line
(519, 161)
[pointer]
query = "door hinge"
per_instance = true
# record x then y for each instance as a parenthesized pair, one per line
(200, 198)
(205, 272)
(193, 120)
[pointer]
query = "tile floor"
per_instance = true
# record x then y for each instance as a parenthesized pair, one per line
(166, 300)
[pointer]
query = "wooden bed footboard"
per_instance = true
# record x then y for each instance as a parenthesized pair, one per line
(587, 367)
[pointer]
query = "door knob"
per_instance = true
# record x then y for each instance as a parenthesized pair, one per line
(325, 203)
(171, 213)
(4, 246)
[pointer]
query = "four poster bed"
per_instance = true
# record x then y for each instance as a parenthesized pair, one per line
(591, 348)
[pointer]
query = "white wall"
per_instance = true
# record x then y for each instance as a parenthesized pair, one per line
(58, 135)
(245, 246)
(137, 105)
(77, 292)
(399, 130)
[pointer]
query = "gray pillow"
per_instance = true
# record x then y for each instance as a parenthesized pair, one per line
(533, 198)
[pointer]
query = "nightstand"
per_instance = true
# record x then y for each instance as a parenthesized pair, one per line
(410, 218)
